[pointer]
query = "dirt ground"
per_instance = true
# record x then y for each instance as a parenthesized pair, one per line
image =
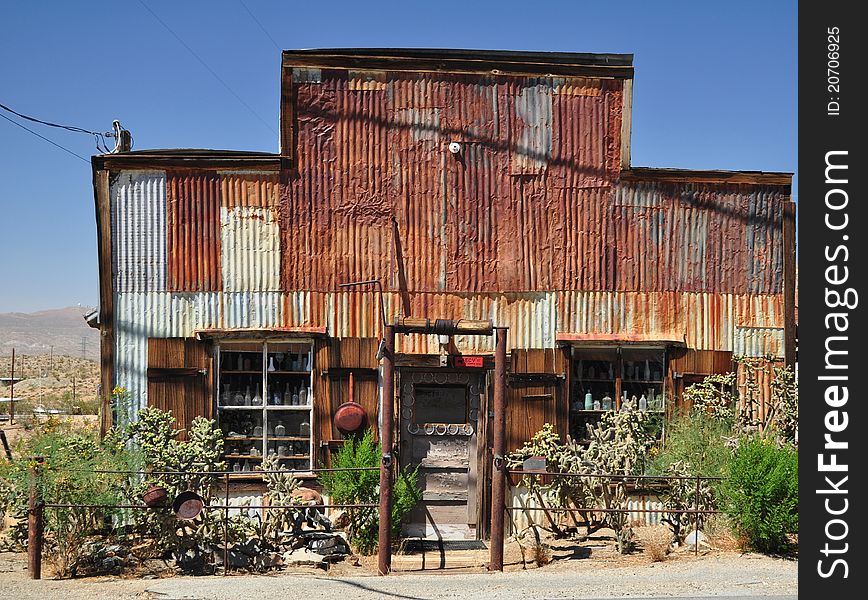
(587, 569)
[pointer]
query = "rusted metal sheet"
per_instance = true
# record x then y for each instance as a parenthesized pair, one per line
(375, 180)
(704, 321)
(699, 237)
(253, 310)
(762, 373)
(260, 189)
(193, 228)
(138, 222)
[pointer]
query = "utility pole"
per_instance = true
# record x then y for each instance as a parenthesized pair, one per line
(12, 391)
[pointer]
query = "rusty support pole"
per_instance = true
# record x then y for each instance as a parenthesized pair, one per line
(34, 521)
(498, 473)
(387, 415)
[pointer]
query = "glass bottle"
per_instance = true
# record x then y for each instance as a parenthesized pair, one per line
(271, 366)
(257, 398)
(247, 397)
(643, 403)
(287, 395)
(589, 401)
(302, 396)
(607, 402)
(596, 405)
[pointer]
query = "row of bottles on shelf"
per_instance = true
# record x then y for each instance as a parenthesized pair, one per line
(297, 395)
(653, 402)
(633, 370)
(279, 361)
(283, 449)
(248, 465)
(241, 429)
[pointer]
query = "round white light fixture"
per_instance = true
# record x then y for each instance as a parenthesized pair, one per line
(455, 147)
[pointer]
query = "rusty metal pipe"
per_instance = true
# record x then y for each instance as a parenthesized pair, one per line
(34, 522)
(384, 564)
(498, 472)
(442, 326)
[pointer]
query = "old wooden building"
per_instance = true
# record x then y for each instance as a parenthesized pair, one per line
(492, 186)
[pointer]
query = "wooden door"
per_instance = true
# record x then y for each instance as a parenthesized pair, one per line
(180, 379)
(439, 413)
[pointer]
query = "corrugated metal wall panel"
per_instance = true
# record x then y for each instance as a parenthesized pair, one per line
(253, 309)
(250, 249)
(139, 316)
(704, 321)
(259, 189)
(759, 342)
(193, 216)
(138, 217)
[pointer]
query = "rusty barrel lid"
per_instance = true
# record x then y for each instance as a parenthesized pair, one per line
(349, 417)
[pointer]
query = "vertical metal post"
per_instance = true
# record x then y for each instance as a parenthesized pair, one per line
(226, 525)
(34, 521)
(696, 520)
(387, 414)
(12, 391)
(498, 472)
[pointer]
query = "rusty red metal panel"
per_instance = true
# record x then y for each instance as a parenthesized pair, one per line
(193, 231)
(699, 237)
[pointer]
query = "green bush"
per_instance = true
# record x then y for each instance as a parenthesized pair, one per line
(363, 487)
(697, 440)
(68, 475)
(761, 494)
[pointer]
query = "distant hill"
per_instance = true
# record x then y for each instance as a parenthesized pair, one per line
(35, 333)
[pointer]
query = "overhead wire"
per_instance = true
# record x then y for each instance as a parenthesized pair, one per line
(99, 137)
(52, 142)
(210, 70)
(265, 31)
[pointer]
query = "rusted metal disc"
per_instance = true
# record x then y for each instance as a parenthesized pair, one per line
(188, 505)
(349, 417)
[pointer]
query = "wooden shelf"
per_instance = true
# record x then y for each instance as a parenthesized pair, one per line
(247, 456)
(288, 407)
(303, 373)
(258, 407)
(234, 372)
(288, 438)
(294, 457)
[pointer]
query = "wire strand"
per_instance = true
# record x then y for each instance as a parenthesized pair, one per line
(49, 123)
(53, 143)
(252, 16)
(210, 70)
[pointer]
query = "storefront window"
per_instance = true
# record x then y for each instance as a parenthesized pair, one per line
(614, 378)
(264, 403)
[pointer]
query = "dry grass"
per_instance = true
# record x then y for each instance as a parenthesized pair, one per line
(657, 543)
(542, 554)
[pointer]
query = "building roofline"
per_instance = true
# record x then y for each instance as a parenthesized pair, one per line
(707, 176)
(186, 158)
(510, 62)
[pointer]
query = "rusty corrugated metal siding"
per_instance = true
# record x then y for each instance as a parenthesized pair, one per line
(193, 217)
(476, 223)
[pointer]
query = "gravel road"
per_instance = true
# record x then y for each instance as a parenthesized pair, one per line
(719, 576)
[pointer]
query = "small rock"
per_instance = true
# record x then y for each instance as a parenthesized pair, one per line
(692, 537)
(303, 558)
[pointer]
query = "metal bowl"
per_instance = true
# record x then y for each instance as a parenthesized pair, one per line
(187, 505)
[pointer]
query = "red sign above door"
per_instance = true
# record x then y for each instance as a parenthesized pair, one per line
(473, 362)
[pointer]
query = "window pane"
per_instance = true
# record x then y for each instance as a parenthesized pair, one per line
(440, 404)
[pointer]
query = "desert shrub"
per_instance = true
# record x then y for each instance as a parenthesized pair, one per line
(657, 544)
(363, 487)
(69, 474)
(153, 442)
(760, 494)
(618, 446)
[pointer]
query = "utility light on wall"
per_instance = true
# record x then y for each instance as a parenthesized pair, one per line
(455, 148)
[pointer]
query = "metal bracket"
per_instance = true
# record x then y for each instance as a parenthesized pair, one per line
(498, 462)
(387, 460)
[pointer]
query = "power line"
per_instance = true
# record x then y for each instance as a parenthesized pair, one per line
(210, 70)
(53, 143)
(98, 137)
(252, 16)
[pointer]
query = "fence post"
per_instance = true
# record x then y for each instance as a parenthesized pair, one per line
(696, 520)
(34, 521)
(387, 416)
(498, 472)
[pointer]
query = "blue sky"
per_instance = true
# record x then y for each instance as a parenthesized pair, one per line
(715, 88)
